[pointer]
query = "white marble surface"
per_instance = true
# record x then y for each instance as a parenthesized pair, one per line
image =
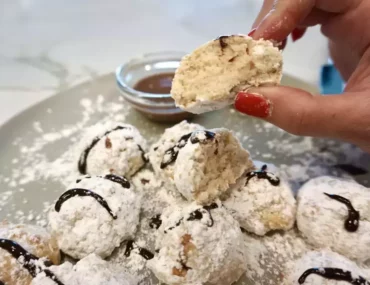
(47, 45)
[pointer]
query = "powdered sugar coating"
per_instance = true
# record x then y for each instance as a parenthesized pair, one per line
(155, 194)
(119, 152)
(90, 270)
(260, 207)
(321, 219)
(36, 240)
(83, 226)
(198, 251)
(321, 259)
(134, 263)
(63, 272)
(93, 270)
(205, 170)
(169, 139)
(268, 256)
(155, 198)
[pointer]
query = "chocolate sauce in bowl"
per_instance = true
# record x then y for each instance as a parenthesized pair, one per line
(156, 84)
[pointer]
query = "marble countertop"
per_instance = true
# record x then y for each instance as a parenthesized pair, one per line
(49, 46)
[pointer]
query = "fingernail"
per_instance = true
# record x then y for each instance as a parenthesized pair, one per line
(253, 104)
(252, 32)
(282, 44)
(298, 33)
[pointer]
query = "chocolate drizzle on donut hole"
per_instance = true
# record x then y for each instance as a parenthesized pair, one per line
(28, 260)
(82, 162)
(170, 155)
(352, 222)
(263, 174)
(83, 193)
(333, 274)
(222, 41)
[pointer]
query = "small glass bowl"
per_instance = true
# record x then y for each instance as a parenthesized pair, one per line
(157, 107)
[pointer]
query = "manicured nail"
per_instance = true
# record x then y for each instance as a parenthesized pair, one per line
(298, 33)
(282, 44)
(252, 32)
(253, 104)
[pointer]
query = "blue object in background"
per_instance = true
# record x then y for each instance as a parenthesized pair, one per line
(331, 82)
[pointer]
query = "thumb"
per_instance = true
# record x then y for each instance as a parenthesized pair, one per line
(297, 111)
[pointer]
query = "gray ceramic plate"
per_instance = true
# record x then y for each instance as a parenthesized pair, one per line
(23, 200)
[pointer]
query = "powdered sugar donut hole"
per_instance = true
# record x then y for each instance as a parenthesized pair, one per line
(112, 148)
(209, 162)
(159, 156)
(95, 215)
(334, 213)
(262, 203)
(199, 245)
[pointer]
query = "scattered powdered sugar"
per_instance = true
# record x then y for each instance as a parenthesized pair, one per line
(302, 145)
(5, 198)
(37, 127)
(35, 165)
(42, 160)
(310, 158)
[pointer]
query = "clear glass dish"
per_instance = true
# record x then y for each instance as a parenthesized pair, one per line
(157, 107)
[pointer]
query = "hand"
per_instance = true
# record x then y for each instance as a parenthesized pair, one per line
(345, 116)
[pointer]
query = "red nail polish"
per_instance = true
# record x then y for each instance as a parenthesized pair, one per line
(253, 105)
(282, 45)
(252, 32)
(298, 33)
